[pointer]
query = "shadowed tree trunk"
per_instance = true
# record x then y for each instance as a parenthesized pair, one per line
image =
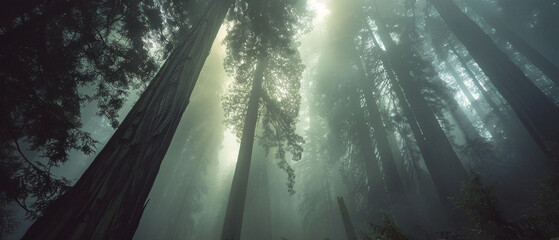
(547, 67)
(348, 225)
(378, 193)
(393, 180)
(536, 111)
(108, 200)
(442, 162)
(237, 196)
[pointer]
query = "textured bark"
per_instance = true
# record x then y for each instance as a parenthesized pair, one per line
(536, 111)
(108, 200)
(547, 67)
(442, 162)
(348, 225)
(237, 196)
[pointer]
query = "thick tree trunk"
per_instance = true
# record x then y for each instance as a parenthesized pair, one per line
(547, 67)
(393, 180)
(377, 194)
(348, 225)
(108, 200)
(442, 162)
(237, 196)
(257, 219)
(536, 111)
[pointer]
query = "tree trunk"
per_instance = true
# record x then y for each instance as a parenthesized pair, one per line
(536, 111)
(237, 195)
(108, 200)
(257, 219)
(442, 162)
(547, 67)
(393, 181)
(348, 225)
(496, 109)
(474, 103)
(377, 195)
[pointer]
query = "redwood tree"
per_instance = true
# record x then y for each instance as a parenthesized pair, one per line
(536, 111)
(442, 162)
(262, 56)
(108, 200)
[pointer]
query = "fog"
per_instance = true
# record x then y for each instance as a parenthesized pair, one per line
(414, 123)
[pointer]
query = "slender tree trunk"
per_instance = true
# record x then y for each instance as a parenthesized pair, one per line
(237, 196)
(466, 126)
(479, 110)
(442, 162)
(348, 225)
(108, 200)
(536, 111)
(398, 159)
(457, 113)
(547, 67)
(509, 131)
(496, 109)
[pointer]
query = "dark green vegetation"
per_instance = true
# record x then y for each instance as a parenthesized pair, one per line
(310, 119)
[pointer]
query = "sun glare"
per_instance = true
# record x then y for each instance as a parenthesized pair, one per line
(320, 10)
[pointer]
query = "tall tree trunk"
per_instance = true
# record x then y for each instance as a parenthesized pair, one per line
(479, 110)
(536, 111)
(442, 162)
(108, 200)
(348, 225)
(547, 67)
(496, 109)
(378, 193)
(237, 196)
(464, 124)
(257, 219)
(393, 180)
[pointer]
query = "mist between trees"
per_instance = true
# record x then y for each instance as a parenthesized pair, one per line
(279, 119)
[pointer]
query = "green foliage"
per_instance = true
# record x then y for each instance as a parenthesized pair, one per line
(480, 202)
(389, 230)
(548, 195)
(27, 183)
(58, 56)
(267, 30)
